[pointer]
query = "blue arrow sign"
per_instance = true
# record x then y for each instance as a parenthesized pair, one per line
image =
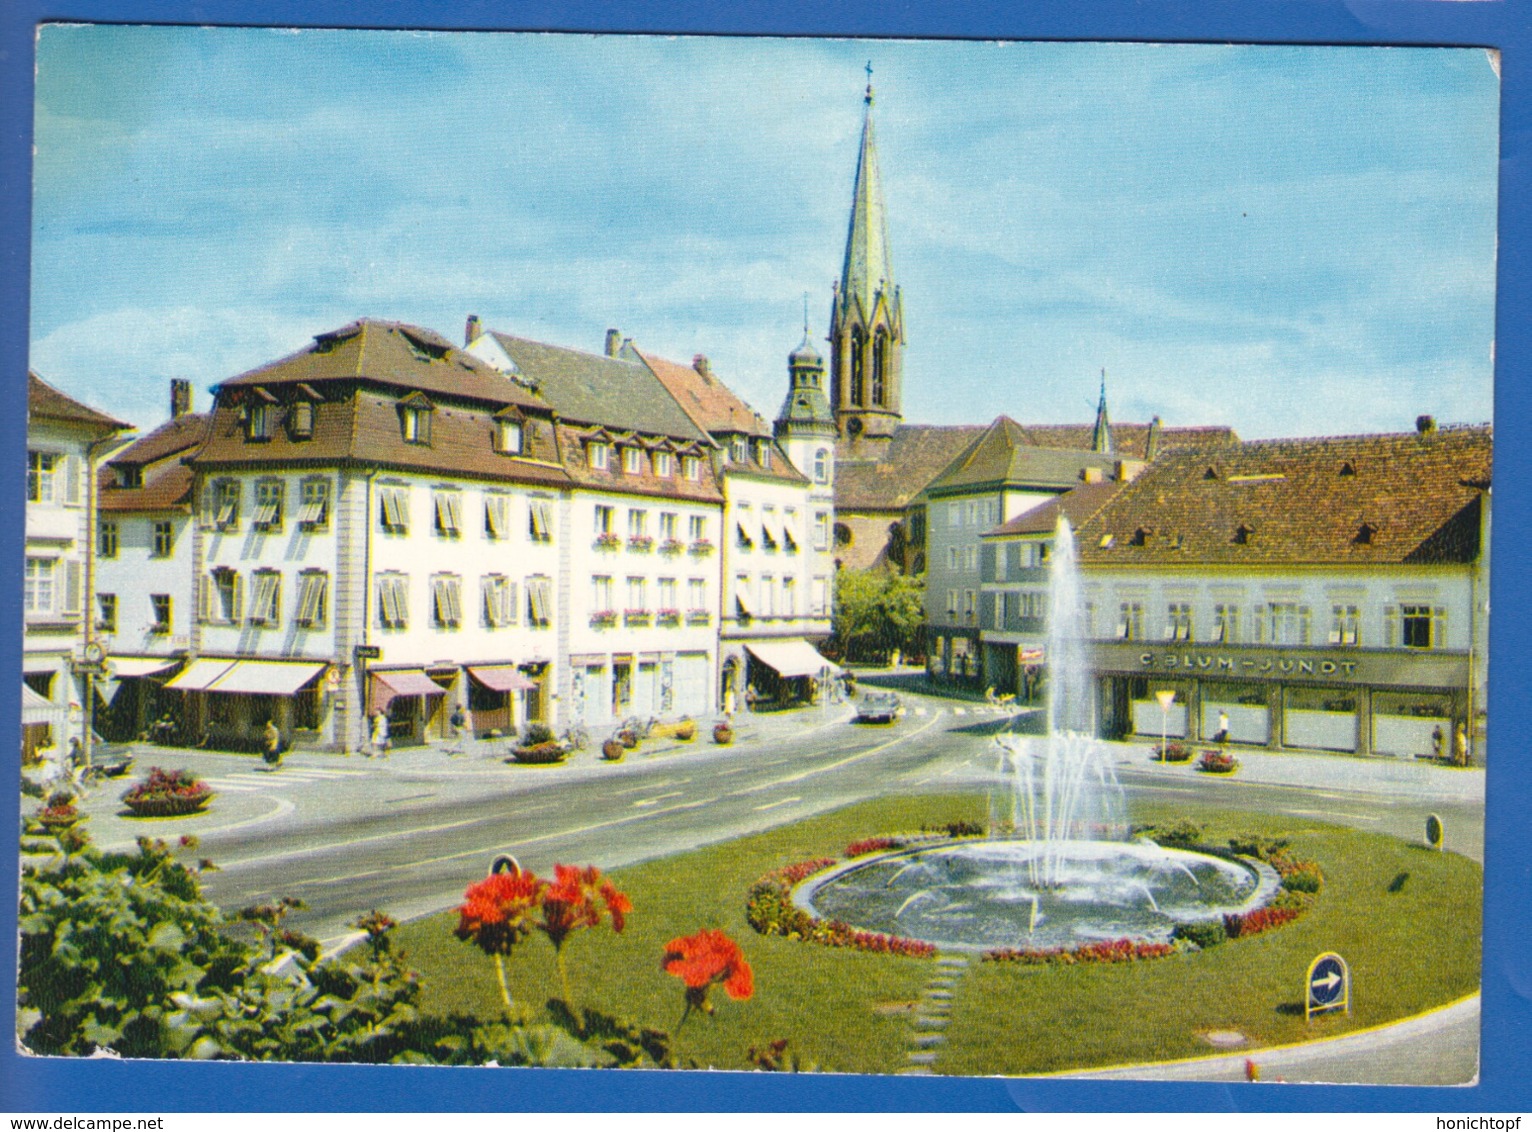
(1329, 985)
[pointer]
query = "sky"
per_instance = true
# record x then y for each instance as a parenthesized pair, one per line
(1289, 240)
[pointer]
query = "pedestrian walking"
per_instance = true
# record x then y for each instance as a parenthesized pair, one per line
(458, 722)
(1222, 734)
(1437, 739)
(1460, 746)
(380, 735)
(271, 744)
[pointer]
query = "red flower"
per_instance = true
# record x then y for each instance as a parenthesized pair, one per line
(571, 903)
(703, 960)
(497, 911)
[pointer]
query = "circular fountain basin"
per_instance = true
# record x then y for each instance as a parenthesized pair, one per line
(978, 895)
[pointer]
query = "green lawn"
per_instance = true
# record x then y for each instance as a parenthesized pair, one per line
(848, 1011)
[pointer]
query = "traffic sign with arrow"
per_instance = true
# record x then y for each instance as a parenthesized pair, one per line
(1327, 986)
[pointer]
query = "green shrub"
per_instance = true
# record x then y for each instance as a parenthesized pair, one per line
(1204, 933)
(538, 734)
(1178, 835)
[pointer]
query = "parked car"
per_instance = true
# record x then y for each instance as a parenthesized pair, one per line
(878, 707)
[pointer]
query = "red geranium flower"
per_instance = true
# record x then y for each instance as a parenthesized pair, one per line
(578, 898)
(497, 911)
(704, 960)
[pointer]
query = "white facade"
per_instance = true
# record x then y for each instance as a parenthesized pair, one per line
(643, 602)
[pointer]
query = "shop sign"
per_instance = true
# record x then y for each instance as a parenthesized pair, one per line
(1247, 665)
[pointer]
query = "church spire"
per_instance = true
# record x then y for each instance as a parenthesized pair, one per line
(1101, 438)
(867, 319)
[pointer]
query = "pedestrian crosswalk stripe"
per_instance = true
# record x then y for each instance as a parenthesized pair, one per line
(959, 711)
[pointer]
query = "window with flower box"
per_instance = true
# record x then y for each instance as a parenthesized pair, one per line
(160, 608)
(106, 608)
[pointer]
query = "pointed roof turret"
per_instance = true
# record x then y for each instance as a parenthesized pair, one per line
(868, 268)
(1101, 437)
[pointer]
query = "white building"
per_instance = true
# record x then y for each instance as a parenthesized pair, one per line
(65, 439)
(1324, 594)
(145, 569)
(378, 530)
(778, 505)
(639, 577)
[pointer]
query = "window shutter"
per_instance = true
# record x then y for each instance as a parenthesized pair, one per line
(508, 603)
(239, 598)
(73, 578)
(70, 470)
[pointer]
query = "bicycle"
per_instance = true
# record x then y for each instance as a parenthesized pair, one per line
(639, 727)
(575, 737)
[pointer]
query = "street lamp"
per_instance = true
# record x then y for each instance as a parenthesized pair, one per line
(1165, 698)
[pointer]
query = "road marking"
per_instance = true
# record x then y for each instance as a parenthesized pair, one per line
(1332, 814)
(811, 771)
(501, 846)
(959, 711)
(650, 786)
(328, 846)
(780, 802)
(231, 787)
(659, 798)
(736, 770)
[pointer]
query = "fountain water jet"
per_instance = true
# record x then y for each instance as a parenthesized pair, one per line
(1058, 869)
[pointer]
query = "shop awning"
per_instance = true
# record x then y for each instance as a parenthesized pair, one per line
(126, 667)
(197, 675)
(266, 677)
(793, 657)
(500, 677)
(409, 682)
(30, 699)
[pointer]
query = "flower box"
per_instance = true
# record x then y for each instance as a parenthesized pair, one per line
(604, 617)
(1217, 762)
(668, 617)
(540, 754)
(698, 617)
(641, 544)
(608, 542)
(168, 793)
(672, 546)
(723, 734)
(702, 548)
(637, 616)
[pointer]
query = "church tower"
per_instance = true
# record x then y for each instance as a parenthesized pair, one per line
(805, 427)
(867, 317)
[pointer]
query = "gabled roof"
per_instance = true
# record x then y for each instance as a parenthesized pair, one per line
(1004, 454)
(589, 388)
(1130, 441)
(179, 434)
(394, 353)
(707, 401)
(1303, 502)
(1078, 505)
(915, 454)
(44, 402)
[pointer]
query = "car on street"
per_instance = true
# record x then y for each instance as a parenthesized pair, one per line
(878, 707)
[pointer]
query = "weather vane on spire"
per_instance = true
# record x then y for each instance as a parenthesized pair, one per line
(869, 80)
(805, 314)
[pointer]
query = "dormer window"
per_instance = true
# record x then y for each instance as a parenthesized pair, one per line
(738, 451)
(1210, 474)
(1365, 532)
(1348, 469)
(130, 475)
(1242, 534)
(632, 461)
(509, 437)
(661, 461)
(300, 420)
(1141, 537)
(763, 453)
(415, 419)
(258, 422)
(597, 453)
(691, 468)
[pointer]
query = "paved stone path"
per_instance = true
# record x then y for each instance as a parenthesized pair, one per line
(932, 1014)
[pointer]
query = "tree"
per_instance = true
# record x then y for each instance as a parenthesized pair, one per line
(878, 611)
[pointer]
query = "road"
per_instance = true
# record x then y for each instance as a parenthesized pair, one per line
(406, 834)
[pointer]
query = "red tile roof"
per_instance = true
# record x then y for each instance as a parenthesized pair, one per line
(712, 404)
(914, 456)
(1353, 500)
(47, 403)
(1077, 505)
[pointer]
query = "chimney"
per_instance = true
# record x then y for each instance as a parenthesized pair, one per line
(1152, 446)
(1128, 470)
(180, 397)
(472, 330)
(1425, 424)
(702, 366)
(613, 342)
(1090, 475)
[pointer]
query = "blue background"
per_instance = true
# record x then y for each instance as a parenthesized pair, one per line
(32, 1084)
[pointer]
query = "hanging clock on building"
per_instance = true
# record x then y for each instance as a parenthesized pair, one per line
(95, 652)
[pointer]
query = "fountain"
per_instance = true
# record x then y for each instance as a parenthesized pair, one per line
(1058, 869)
